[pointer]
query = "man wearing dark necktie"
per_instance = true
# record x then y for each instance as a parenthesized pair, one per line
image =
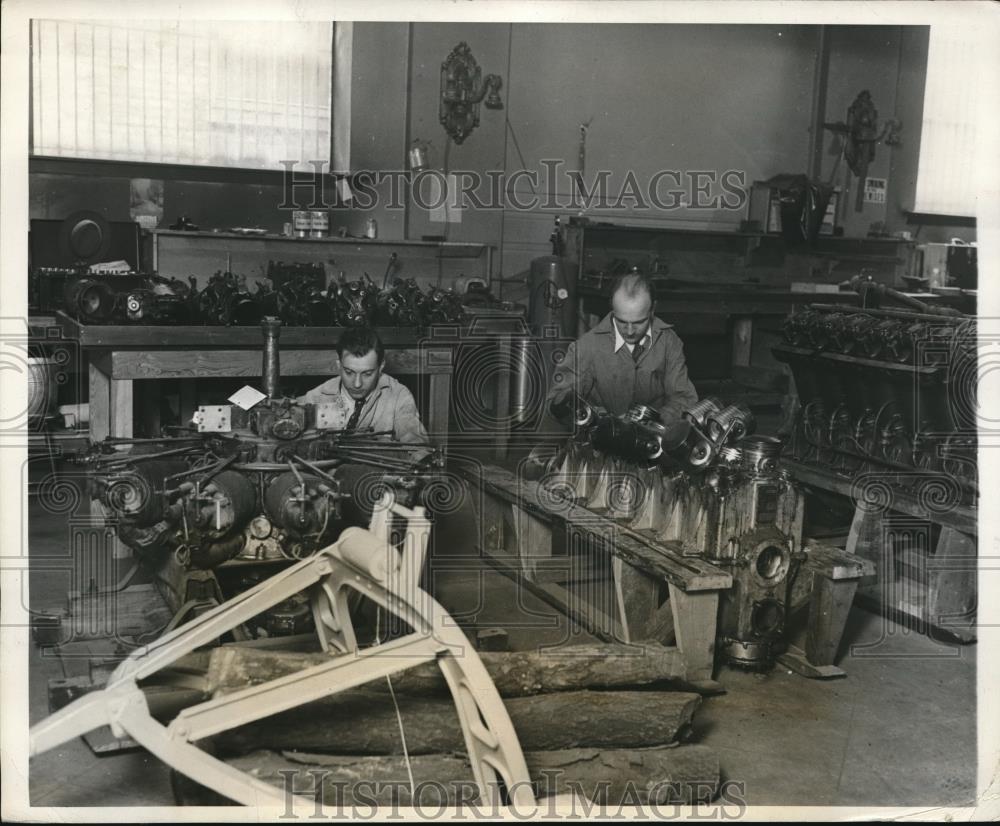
(371, 400)
(629, 357)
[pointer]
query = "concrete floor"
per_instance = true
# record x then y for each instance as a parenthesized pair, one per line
(899, 730)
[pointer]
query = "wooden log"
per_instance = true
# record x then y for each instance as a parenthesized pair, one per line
(683, 774)
(361, 722)
(515, 674)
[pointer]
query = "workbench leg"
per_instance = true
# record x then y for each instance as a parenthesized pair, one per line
(440, 408)
(534, 542)
(952, 602)
(742, 341)
(110, 415)
(121, 408)
(865, 539)
(828, 609)
(187, 400)
(100, 403)
(503, 396)
(149, 395)
(695, 620)
(646, 613)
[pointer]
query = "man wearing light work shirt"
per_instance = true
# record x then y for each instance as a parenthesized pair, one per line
(630, 357)
(371, 400)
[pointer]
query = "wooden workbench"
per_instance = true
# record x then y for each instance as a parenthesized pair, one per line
(932, 584)
(118, 355)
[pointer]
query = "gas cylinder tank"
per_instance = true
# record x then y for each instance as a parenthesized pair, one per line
(552, 296)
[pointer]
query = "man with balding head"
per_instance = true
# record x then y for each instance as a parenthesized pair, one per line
(630, 357)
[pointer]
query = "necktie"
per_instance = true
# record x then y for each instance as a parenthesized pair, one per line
(353, 421)
(637, 351)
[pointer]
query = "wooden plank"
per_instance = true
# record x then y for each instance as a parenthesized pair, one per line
(178, 364)
(695, 619)
(962, 517)
(534, 540)
(742, 341)
(179, 335)
(100, 402)
(121, 408)
(828, 609)
(835, 563)
(953, 586)
(439, 411)
(786, 352)
(686, 573)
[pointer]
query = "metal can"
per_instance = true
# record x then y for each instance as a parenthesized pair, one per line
(301, 223)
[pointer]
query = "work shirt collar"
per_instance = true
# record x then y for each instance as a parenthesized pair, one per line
(337, 389)
(620, 342)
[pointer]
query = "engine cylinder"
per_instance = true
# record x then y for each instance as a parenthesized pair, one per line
(225, 503)
(300, 508)
(133, 496)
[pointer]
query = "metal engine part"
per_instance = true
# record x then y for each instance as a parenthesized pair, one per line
(706, 485)
(356, 302)
(300, 505)
(227, 301)
(860, 406)
(258, 485)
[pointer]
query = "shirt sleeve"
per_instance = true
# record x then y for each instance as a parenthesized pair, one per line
(677, 387)
(407, 427)
(314, 396)
(569, 377)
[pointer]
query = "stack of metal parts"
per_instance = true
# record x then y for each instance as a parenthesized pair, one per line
(702, 486)
(886, 391)
(275, 482)
(296, 293)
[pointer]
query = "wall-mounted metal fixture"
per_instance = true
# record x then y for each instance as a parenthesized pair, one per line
(462, 90)
(860, 135)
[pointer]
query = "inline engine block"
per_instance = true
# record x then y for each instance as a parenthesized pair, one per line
(886, 392)
(705, 486)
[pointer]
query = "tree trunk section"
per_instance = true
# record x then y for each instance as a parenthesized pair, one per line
(678, 775)
(515, 674)
(360, 722)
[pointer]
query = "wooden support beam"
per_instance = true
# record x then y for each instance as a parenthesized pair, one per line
(695, 621)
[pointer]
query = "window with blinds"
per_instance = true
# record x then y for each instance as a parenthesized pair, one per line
(234, 94)
(946, 173)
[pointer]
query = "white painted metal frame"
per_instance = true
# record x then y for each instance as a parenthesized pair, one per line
(361, 561)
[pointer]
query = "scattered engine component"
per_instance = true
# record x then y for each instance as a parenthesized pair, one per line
(130, 298)
(442, 306)
(401, 305)
(356, 302)
(227, 301)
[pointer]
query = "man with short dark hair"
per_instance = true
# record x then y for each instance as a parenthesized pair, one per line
(370, 399)
(630, 357)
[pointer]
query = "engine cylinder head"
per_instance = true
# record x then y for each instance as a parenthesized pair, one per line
(761, 455)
